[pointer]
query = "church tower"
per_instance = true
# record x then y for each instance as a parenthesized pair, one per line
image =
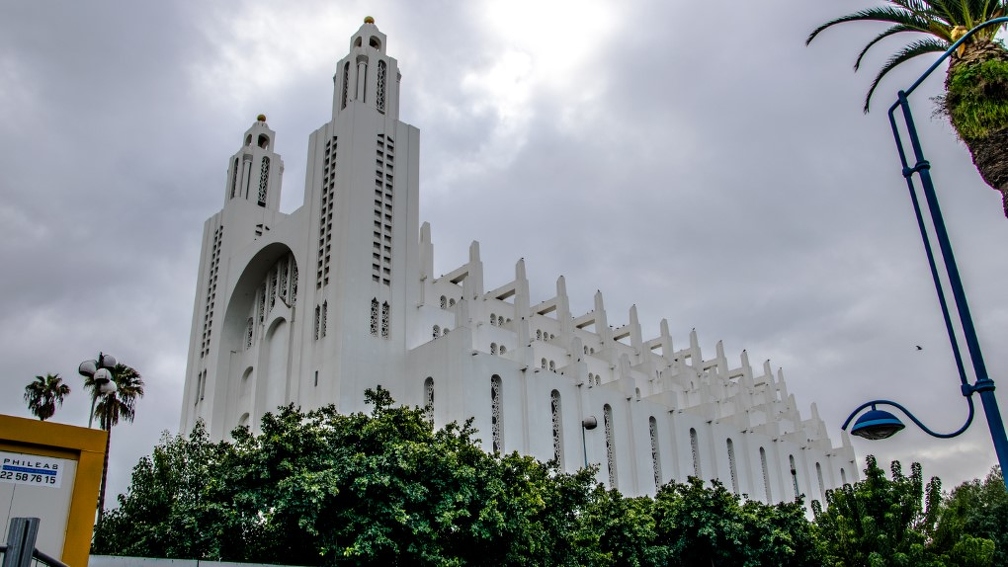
(310, 306)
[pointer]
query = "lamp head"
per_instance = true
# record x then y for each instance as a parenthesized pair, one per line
(877, 424)
(87, 368)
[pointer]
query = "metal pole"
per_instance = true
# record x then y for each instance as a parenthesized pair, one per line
(983, 384)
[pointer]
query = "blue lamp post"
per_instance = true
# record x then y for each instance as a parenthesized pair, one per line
(881, 424)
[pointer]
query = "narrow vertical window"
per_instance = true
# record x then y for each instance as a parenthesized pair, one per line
(380, 93)
(495, 413)
(325, 315)
(557, 428)
(694, 442)
(264, 171)
(655, 455)
(284, 271)
(794, 476)
(374, 317)
(272, 289)
(385, 320)
(731, 466)
(262, 303)
(610, 447)
(766, 476)
(822, 487)
(346, 84)
(428, 386)
(234, 178)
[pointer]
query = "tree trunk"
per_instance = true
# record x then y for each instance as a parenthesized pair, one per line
(976, 102)
(104, 475)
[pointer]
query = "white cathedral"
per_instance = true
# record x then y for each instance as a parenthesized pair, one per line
(315, 306)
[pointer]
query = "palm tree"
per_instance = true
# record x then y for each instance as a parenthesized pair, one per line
(976, 82)
(111, 407)
(44, 393)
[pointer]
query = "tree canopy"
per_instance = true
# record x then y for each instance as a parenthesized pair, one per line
(386, 488)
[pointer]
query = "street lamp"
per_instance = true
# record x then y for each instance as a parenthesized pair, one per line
(587, 424)
(100, 371)
(881, 424)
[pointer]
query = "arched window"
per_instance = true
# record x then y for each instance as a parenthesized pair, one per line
(731, 466)
(428, 386)
(495, 413)
(557, 427)
(694, 442)
(655, 456)
(374, 317)
(766, 476)
(794, 476)
(610, 447)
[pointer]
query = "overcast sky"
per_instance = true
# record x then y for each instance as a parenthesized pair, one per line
(700, 163)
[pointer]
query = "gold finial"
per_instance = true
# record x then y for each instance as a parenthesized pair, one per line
(368, 20)
(261, 118)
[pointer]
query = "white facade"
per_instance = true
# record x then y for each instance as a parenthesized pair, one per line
(314, 307)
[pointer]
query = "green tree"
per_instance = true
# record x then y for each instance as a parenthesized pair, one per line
(111, 407)
(976, 82)
(321, 488)
(701, 525)
(171, 508)
(882, 522)
(44, 393)
(978, 509)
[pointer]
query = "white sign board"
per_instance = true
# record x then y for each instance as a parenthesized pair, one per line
(33, 470)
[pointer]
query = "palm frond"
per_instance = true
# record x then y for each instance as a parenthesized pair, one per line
(920, 47)
(891, 31)
(884, 14)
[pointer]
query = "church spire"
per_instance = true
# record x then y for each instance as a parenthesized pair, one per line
(367, 75)
(256, 170)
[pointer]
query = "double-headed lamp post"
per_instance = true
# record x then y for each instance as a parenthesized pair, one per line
(101, 372)
(880, 424)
